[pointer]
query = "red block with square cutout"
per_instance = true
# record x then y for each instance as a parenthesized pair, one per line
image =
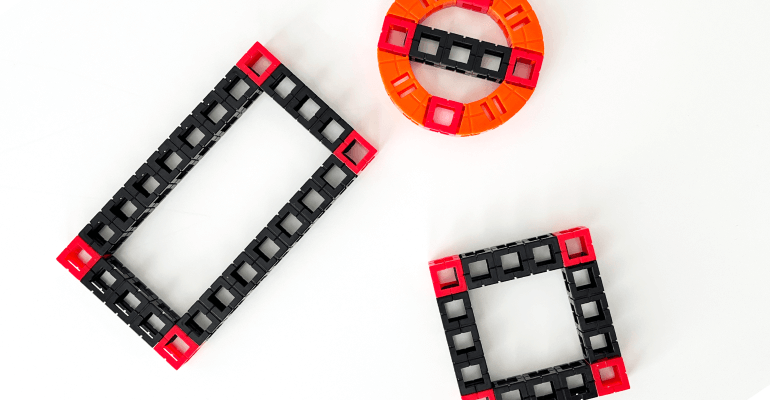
(171, 353)
(396, 24)
(535, 61)
(586, 254)
(70, 258)
(434, 104)
(252, 57)
(452, 286)
(481, 6)
(349, 143)
(485, 395)
(617, 383)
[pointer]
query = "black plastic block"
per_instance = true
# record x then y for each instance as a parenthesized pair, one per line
(148, 187)
(221, 298)
(273, 82)
(590, 280)
(456, 311)
(469, 44)
(424, 33)
(473, 384)
(610, 339)
(479, 268)
(244, 274)
(511, 261)
(325, 126)
(215, 114)
(154, 322)
(266, 250)
(544, 252)
(325, 176)
(597, 304)
(503, 53)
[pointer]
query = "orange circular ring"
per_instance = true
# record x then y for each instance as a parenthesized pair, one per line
(522, 30)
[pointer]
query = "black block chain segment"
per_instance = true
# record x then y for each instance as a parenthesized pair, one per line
(460, 54)
(266, 250)
(307, 108)
(175, 157)
(514, 260)
(130, 299)
(571, 381)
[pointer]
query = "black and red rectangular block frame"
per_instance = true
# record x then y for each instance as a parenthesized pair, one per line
(599, 373)
(89, 257)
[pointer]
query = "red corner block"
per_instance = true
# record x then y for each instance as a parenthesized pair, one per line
(355, 152)
(77, 263)
(485, 395)
(584, 254)
(255, 63)
(524, 68)
(175, 353)
(447, 276)
(397, 34)
(436, 105)
(481, 6)
(615, 378)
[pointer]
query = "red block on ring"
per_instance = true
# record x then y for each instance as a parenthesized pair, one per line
(395, 24)
(70, 258)
(450, 287)
(436, 103)
(519, 57)
(250, 59)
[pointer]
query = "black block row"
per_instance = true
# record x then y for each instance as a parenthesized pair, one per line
(156, 178)
(512, 260)
(130, 299)
(464, 343)
(307, 108)
(461, 54)
(266, 250)
(573, 381)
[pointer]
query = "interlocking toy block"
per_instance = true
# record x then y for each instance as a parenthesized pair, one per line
(89, 257)
(454, 276)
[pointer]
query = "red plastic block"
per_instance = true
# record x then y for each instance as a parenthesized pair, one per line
(434, 104)
(397, 26)
(616, 382)
(352, 149)
(171, 352)
(453, 285)
(70, 258)
(481, 6)
(249, 61)
(485, 395)
(586, 253)
(524, 58)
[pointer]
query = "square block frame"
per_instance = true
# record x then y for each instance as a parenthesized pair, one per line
(460, 320)
(89, 257)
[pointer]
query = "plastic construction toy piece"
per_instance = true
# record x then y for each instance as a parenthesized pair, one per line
(515, 67)
(599, 373)
(89, 256)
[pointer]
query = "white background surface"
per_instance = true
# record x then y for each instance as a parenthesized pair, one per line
(649, 125)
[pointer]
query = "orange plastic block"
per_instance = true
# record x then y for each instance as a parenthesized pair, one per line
(519, 22)
(402, 86)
